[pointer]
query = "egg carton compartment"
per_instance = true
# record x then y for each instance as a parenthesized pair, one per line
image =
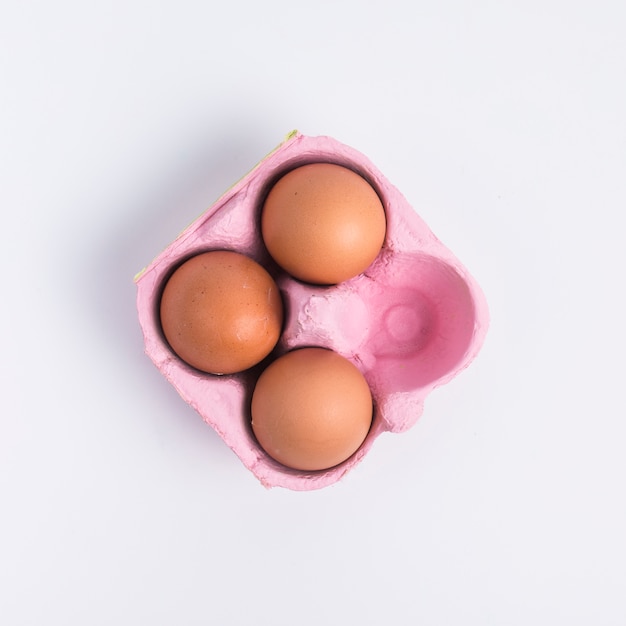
(412, 321)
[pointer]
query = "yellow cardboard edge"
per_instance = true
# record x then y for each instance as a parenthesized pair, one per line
(288, 137)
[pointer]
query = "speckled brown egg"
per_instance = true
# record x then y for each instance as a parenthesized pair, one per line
(323, 223)
(311, 409)
(221, 312)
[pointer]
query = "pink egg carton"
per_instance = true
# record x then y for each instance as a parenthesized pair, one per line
(411, 322)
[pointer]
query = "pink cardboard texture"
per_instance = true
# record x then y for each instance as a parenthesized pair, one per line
(411, 322)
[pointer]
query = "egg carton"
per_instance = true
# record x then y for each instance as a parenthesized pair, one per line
(411, 322)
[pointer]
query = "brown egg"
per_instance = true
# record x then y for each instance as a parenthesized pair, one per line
(311, 409)
(221, 312)
(323, 223)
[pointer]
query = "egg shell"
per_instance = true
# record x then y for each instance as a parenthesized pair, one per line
(411, 322)
(311, 409)
(221, 312)
(323, 223)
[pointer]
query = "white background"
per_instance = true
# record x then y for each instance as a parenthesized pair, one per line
(504, 125)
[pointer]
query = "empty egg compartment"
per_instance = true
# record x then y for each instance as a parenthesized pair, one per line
(424, 321)
(410, 322)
